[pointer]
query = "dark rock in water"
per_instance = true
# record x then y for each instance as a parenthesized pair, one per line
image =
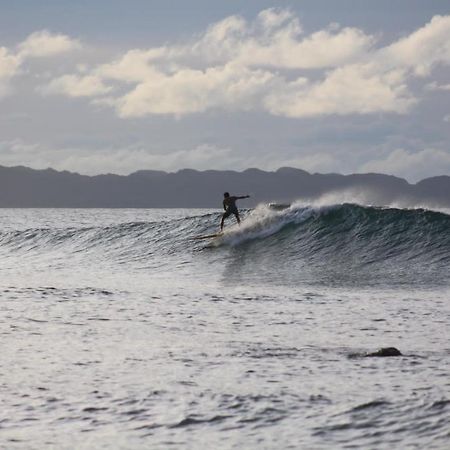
(385, 351)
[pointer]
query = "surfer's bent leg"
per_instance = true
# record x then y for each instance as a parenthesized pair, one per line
(224, 216)
(235, 212)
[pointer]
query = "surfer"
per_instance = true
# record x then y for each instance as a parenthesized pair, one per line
(229, 205)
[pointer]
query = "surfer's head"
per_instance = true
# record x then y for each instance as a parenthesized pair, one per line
(226, 194)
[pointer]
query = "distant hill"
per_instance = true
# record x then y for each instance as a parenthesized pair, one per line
(22, 187)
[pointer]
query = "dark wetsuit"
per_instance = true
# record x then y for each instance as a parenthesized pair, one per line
(229, 204)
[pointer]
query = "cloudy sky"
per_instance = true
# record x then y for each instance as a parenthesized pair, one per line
(324, 85)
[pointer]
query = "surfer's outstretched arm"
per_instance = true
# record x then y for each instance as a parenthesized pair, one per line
(243, 196)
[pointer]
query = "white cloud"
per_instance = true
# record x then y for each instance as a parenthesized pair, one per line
(433, 86)
(190, 91)
(76, 86)
(447, 118)
(320, 50)
(38, 44)
(262, 65)
(114, 160)
(44, 43)
(9, 63)
(125, 160)
(275, 39)
(268, 64)
(9, 66)
(233, 65)
(421, 50)
(352, 89)
(413, 166)
(134, 67)
(17, 152)
(377, 84)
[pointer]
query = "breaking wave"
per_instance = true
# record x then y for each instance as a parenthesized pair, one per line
(345, 238)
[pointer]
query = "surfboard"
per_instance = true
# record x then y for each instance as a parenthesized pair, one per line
(208, 236)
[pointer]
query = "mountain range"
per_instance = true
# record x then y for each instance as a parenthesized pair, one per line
(22, 187)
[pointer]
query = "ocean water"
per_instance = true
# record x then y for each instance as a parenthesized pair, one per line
(120, 331)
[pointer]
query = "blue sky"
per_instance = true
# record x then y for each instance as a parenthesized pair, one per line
(328, 86)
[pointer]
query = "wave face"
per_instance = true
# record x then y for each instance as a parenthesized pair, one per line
(300, 243)
(348, 241)
(364, 234)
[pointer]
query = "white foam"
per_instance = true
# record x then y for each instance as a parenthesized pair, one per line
(368, 198)
(264, 221)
